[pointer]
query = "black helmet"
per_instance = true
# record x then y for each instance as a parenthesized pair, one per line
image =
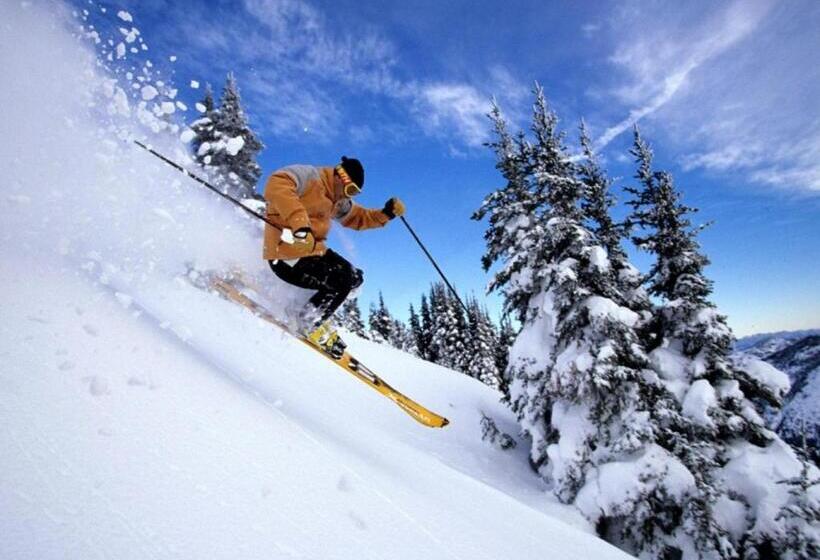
(354, 170)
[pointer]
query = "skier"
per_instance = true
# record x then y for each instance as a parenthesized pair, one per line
(303, 199)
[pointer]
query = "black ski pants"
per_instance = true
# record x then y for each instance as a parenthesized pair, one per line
(330, 275)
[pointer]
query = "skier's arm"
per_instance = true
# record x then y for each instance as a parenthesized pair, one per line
(283, 201)
(353, 216)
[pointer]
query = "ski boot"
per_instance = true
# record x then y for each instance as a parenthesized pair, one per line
(327, 339)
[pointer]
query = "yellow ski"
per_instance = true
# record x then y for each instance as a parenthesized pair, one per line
(347, 362)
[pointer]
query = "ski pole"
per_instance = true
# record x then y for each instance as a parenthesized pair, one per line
(178, 167)
(432, 260)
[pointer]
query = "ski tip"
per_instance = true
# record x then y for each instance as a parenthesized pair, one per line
(443, 422)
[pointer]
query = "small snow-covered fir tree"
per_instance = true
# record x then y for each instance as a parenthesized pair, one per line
(203, 130)
(482, 344)
(416, 339)
(425, 344)
(381, 322)
(506, 337)
(449, 330)
(228, 149)
(398, 335)
(462, 346)
(350, 317)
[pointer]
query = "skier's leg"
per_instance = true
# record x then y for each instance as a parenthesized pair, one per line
(337, 278)
(330, 275)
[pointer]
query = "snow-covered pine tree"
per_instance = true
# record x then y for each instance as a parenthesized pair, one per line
(482, 345)
(350, 317)
(514, 232)
(439, 324)
(381, 322)
(720, 437)
(597, 201)
(462, 348)
(506, 336)
(596, 207)
(204, 129)
(398, 335)
(415, 333)
(233, 152)
(449, 332)
(426, 349)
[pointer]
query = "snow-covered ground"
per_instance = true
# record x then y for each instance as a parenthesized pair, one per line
(177, 425)
(141, 417)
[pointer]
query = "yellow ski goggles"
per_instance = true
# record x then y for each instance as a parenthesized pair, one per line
(351, 189)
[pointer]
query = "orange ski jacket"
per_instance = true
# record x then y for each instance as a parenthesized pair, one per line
(300, 196)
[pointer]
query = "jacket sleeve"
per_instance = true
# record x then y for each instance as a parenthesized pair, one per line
(283, 200)
(358, 217)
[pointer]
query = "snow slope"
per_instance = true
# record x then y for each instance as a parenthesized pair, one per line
(125, 441)
(143, 418)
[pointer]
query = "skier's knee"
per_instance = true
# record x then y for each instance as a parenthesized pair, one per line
(356, 281)
(357, 278)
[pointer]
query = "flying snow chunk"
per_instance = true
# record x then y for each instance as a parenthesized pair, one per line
(130, 34)
(168, 107)
(120, 103)
(187, 135)
(121, 50)
(194, 84)
(200, 107)
(172, 58)
(234, 145)
(124, 16)
(149, 92)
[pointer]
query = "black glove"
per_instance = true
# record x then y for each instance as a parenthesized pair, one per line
(393, 208)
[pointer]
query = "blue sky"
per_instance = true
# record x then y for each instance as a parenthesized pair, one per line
(725, 92)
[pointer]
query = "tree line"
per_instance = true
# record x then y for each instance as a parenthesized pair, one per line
(441, 332)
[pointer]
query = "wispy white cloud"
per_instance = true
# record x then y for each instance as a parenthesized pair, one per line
(299, 34)
(662, 60)
(733, 91)
(459, 108)
(589, 29)
(306, 70)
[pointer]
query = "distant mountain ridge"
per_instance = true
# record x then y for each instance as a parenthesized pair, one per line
(757, 340)
(797, 354)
